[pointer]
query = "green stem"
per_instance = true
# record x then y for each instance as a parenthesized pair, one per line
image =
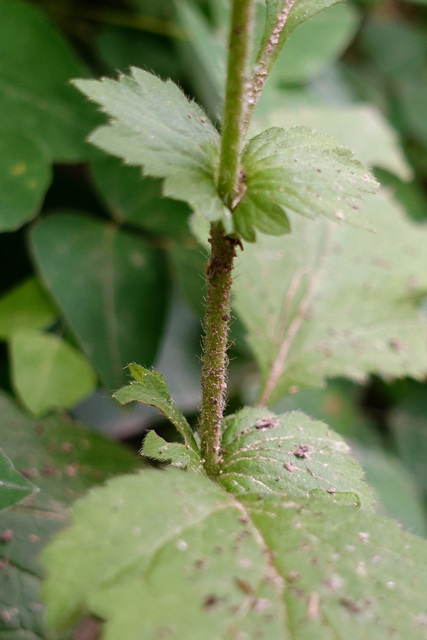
(215, 361)
(236, 99)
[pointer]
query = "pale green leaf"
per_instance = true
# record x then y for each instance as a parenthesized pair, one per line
(101, 278)
(282, 18)
(25, 175)
(35, 97)
(178, 455)
(63, 459)
(47, 372)
(288, 455)
(153, 125)
(335, 301)
(170, 554)
(301, 171)
(26, 306)
(149, 387)
(13, 486)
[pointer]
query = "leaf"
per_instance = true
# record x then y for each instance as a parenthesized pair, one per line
(183, 559)
(153, 125)
(178, 455)
(63, 459)
(301, 171)
(26, 306)
(108, 284)
(137, 200)
(329, 33)
(48, 373)
(149, 387)
(36, 97)
(13, 486)
(282, 18)
(334, 301)
(25, 176)
(288, 455)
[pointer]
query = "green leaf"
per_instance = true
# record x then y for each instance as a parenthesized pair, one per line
(282, 18)
(48, 373)
(178, 455)
(287, 455)
(101, 279)
(13, 486)
(63, 459)
(24, 177)
(301, 171)
(170, 553)
(25, 307)
(149, 387)
(137, 200)
(153, 125)
(334, 301)
(35, 98)
(329, 34)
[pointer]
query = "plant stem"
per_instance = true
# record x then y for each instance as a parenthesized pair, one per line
(236, 99)
(215, 361)
(223, 248)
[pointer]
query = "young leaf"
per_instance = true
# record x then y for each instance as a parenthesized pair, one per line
(153, 125)
(301, 171)
(48, 373)
(171, 554)
(63, 459)
(333, 301)
(102, 283)
(287, 455)
(13, 486)
(149, 387)
(178, 455)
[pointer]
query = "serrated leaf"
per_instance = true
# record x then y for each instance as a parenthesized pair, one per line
(170, 553)
(282, 18)
(178, 455)
(331, 301)
(301, 171)
(13, 486)
(48, 373)
(153, 125)
(36, 98)
(287, 455)
(102, 283)
(26, 306)
(25, 175)
(149, 387)
(63, 459)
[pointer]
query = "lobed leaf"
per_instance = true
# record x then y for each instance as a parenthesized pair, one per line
(301, 171)
(13, 486)
(153, 125)
(334, 301)
(149, 387)
(171, 554)
(174, 453)
(288, 455)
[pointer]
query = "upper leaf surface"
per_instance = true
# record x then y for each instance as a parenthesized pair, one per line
(301, 171)
(149, 387)
(170, 553)
(13, 485)
(26, 306)
(153, 125)
(287, 455)
(101, 283)
(335, 301)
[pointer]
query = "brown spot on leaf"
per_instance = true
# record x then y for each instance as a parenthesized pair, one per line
(7, 536)
(289, 466)
(303, 451)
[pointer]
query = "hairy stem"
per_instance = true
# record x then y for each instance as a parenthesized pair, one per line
(215, 361)
(236, 99)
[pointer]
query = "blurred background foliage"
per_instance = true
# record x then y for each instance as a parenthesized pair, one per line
(97, 270)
